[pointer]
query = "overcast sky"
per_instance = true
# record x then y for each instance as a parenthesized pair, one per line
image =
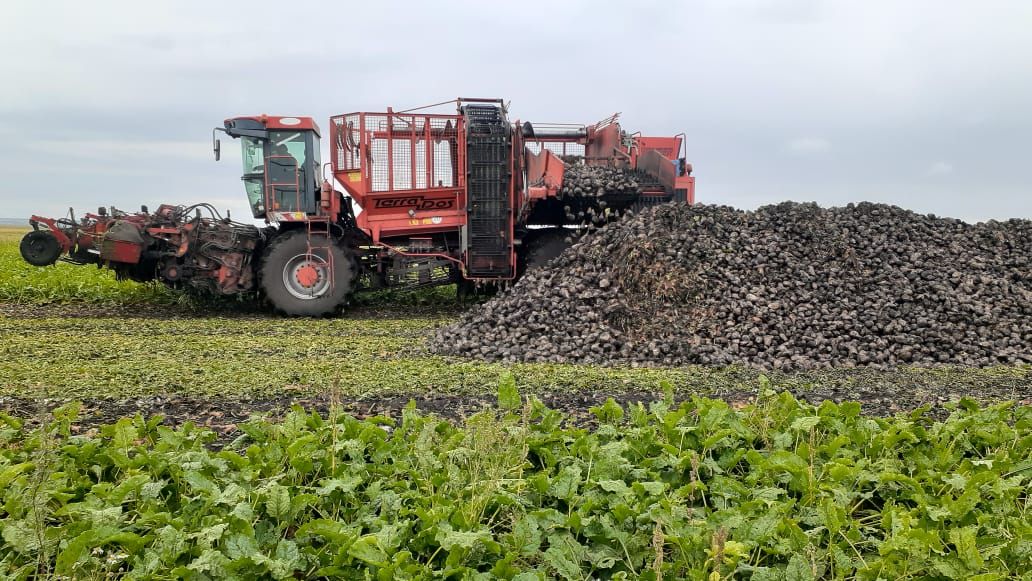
(923, 104)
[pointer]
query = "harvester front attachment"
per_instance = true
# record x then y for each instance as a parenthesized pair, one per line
(176, 245)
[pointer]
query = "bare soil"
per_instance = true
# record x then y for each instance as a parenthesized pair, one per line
(223, 415)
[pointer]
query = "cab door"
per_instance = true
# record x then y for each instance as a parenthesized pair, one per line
(285, 161)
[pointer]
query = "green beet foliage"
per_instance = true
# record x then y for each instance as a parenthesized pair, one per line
(699, 490)
(20, 282)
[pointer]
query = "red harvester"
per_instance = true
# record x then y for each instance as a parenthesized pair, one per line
(429, 199)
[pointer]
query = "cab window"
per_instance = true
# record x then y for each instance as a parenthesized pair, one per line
(288, 143)
(251, 148)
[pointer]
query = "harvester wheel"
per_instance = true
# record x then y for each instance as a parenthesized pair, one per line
(40, 248)
(296, 278)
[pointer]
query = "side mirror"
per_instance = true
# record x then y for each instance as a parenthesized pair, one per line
(216, 145)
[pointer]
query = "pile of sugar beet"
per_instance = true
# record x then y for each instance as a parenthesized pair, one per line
(789, 286)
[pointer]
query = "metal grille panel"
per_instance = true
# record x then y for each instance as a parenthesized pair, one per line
(397, 151)
(489, 214)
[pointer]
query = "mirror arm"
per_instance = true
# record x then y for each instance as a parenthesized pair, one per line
(216, 145)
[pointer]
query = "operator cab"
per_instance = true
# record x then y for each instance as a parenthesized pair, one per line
(281, 167)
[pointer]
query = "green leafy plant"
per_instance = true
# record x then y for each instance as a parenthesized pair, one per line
(23, 283)
(697, 490)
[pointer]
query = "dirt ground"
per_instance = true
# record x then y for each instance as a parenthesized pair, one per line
(223, 415)
(880, 394)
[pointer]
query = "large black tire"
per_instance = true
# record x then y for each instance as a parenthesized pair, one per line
(40, 248)
(297, 283)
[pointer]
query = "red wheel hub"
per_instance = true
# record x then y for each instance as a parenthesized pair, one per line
(307, 275)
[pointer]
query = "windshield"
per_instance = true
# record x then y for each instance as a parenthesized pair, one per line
(255, 196)
(251, 148)
(254, 171)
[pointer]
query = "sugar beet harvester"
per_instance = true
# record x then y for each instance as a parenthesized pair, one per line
(464, 197)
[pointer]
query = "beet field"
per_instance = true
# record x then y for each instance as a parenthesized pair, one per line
(150, 434)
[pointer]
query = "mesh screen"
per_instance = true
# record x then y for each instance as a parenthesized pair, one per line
(346, 137)
(403, 151)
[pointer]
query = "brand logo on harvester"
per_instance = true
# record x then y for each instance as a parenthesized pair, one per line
(416, 202)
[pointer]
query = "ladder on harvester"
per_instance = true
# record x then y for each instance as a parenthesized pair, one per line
(320, 241)
(488, 207)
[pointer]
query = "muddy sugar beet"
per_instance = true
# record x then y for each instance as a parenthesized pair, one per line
(786, 286)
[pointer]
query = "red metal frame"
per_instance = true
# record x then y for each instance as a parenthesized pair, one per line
(544, 174)
(514, 209)
(81, 234)
(51, 224)
(388, 163)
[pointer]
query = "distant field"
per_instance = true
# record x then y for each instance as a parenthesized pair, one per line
(9, 232)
